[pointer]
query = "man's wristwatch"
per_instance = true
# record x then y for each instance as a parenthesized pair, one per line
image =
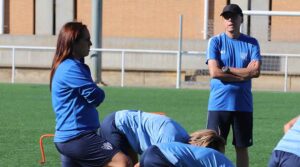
(225, 69)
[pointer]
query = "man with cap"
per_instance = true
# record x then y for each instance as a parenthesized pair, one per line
(233, 59)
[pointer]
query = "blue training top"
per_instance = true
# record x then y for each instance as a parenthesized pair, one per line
(238, 53)
(180, 155)
(290, 142)
(74, 99)
(144, 129)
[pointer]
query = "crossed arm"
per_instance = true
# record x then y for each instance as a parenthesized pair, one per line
(236, 74)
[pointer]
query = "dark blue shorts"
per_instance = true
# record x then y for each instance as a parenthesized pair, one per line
(111, 133)
(283, 159)
(153, 157)
(86, 150)
(241, 122)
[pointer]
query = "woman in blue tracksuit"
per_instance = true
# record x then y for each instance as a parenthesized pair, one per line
(74, 99)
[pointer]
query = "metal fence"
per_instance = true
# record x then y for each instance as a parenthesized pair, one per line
(277, 69)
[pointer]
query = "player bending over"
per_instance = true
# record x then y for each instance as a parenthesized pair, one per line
(134, 131)
(205, 149)
(287, 151)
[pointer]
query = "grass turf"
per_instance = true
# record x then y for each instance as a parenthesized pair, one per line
(26, 114)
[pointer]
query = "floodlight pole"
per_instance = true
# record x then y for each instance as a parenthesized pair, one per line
(205, 20)
(179, 54)
(2, 13)
(96, 57)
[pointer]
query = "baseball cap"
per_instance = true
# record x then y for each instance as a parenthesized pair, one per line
(232, 8)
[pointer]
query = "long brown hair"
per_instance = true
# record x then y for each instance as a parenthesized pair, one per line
(69, 33)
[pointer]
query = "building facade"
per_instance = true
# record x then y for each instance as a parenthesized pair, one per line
(154, 19)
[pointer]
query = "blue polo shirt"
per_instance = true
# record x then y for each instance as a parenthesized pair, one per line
(74, 100)
(238, 53)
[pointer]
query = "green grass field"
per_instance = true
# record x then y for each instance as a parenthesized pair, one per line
(26, 114)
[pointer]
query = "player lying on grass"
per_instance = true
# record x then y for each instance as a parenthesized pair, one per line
(134, 131)
(205, 149)
(287, 151)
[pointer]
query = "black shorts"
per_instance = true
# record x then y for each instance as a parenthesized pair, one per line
(86, 150)
(241, 122)
(111, 133)
(153, 157)
(282, 158)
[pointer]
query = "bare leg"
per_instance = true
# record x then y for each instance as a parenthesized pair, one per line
(119, 160)
(242, 158)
